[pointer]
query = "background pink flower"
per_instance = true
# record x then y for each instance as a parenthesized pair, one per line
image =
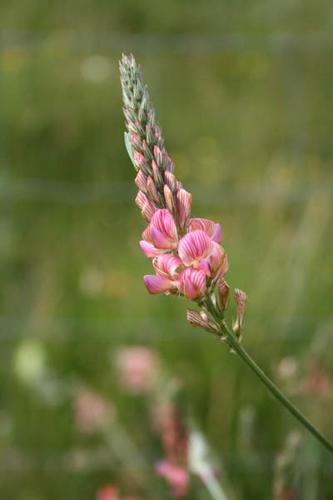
(137, 368)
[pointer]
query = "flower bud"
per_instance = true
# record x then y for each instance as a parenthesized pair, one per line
(240, 299)
(184, 203)
(156, 173)
(141, 181)
(223, 293)
(146, 207)
(151, 188)
(169, 200)
(199, 320)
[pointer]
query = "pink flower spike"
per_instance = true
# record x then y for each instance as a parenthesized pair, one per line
(194, 246)
(157, 284)
(166, 265)
(192, 283)
(213, 229)
(184, 203)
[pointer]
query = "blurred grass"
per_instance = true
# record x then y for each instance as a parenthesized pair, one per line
(244, 100)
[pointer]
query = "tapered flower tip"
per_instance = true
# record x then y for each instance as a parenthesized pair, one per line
(157, 284)
(194, 246)
(167, 265)
(192, 283)
(213, 229)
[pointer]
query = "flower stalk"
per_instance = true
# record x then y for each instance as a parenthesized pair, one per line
(185, 251)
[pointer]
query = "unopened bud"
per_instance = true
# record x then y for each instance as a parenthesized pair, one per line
(170, 180)
(240, 299)
(141, 181)
(223, 292)
(139, 159)
(184, 204)
(149, 134)
(146, 207)
(156, 173)
(169, 200)
(198, 320)
(151, 188)
(158, 156)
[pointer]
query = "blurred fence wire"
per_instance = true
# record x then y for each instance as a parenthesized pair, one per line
(35, 190)
(174, 43)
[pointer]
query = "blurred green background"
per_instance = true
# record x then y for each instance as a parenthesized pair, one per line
(243, 92)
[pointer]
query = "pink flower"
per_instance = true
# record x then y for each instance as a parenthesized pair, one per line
(194, 247)
(107, 492)
(192, 283)
(213, 229)
(91, 412)
(161, 234)
(137, 368)
(158, 284)
(167, 265)
(176, 476)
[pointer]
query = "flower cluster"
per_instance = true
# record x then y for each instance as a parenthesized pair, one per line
(187, 264)
(186, 253)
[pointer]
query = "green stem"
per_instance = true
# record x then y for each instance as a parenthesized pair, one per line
(239, 349)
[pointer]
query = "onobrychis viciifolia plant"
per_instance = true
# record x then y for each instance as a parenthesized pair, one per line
(186, 253)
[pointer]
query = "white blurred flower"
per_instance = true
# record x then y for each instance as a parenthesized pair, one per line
(29, 363)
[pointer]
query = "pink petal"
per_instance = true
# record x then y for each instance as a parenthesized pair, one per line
(184, 203)
(192, 283)
(217, 234)
(157, 284)
(216, 257)
(163, 221)
(204, 266)
(166, 265)
(210, 227)
(148, 249)
(194, 246)
(146, 235)
(160, 240)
